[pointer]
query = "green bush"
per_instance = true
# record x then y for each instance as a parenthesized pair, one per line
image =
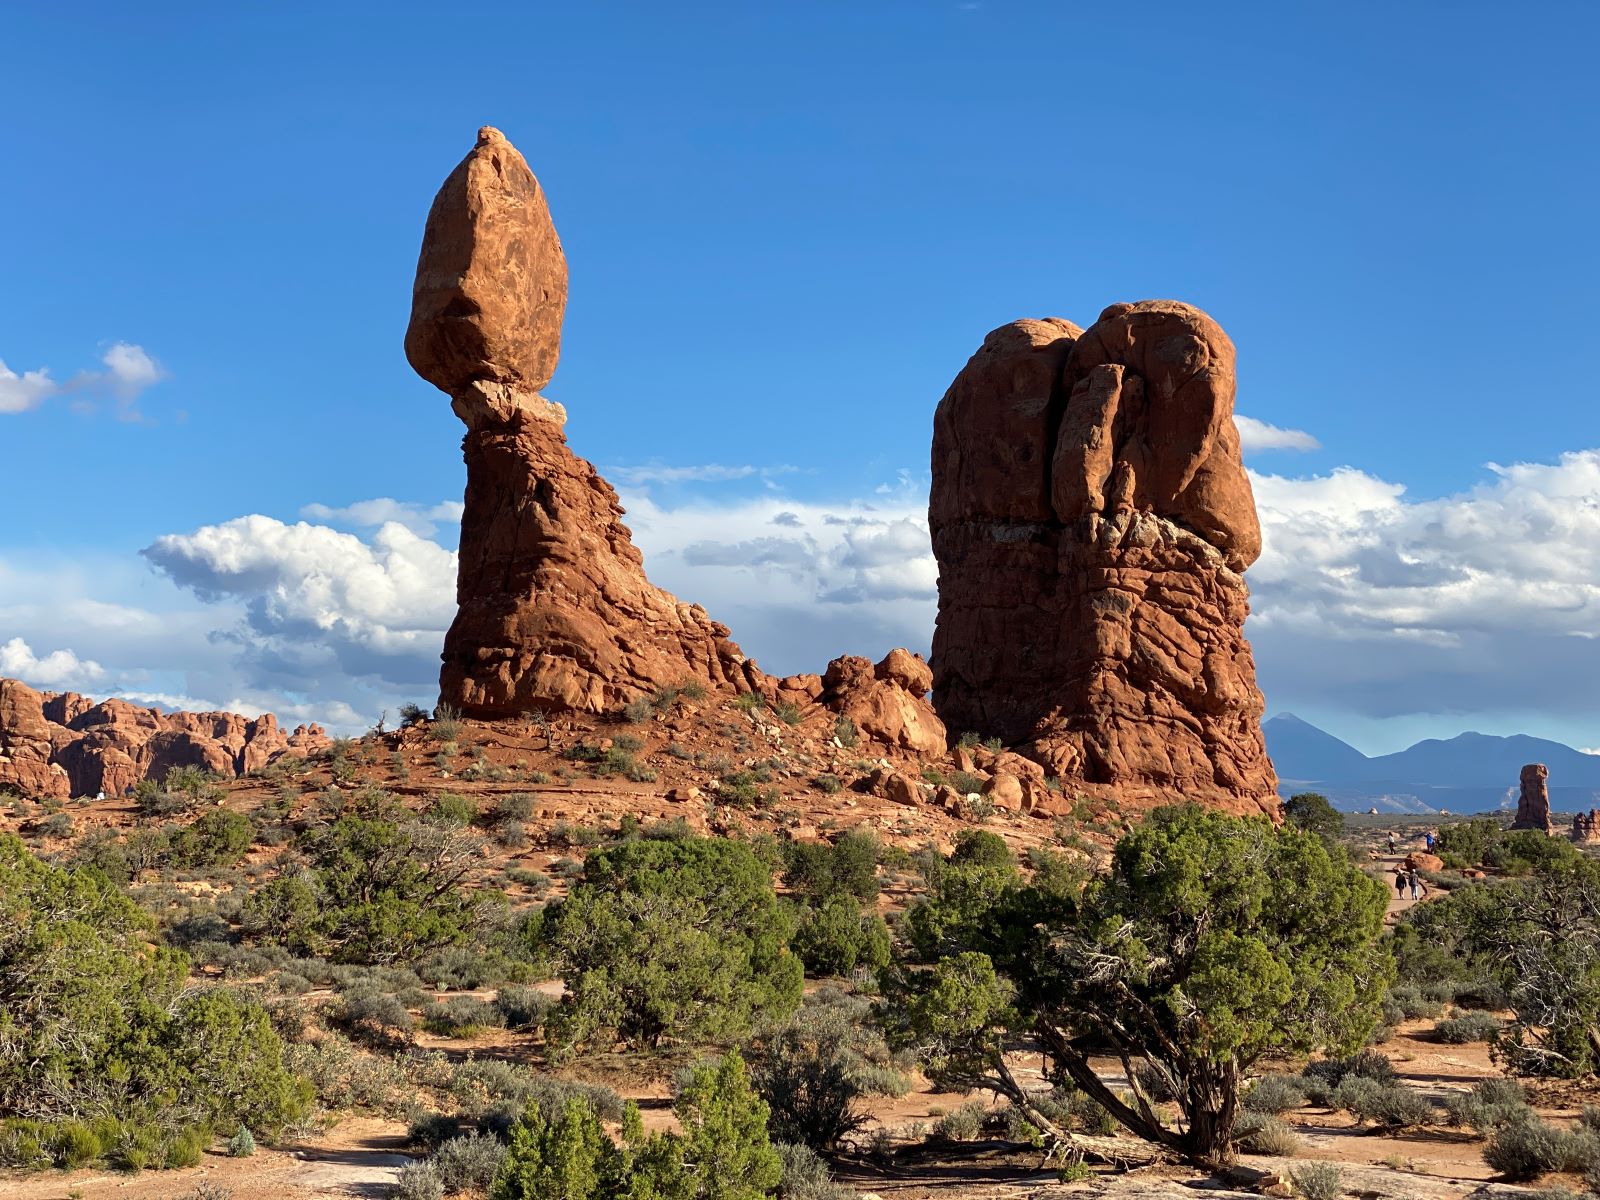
(461, 1016)
(95, 1017)
(381, 887)
(805, 1175)
(681, 939)
(523, 1008)
(219, 838)
(418, 1181)
(838, 937)
(242, 1144)
(819, 871)
(468, 1163)
(1312, 812)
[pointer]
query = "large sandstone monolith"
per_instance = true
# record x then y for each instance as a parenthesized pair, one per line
(1533, 805)
(1092, 521)
(555, 612)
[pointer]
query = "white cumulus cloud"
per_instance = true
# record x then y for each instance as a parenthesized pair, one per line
(422, 520)
(129, 372)
(56, 671)
(1255, 436)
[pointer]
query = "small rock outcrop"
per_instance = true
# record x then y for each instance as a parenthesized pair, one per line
(555, 612)
(1586, 826)
(63, 744)
(887, 702)
(1092, 521)
(1533, 805)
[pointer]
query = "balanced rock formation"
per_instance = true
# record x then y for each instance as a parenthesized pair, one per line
(1092, 521)
(1533, 805)
(555, 612)
(63, 744)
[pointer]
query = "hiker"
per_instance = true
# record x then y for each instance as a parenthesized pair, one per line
(1427, 840)
(1391, 842)
(1415, 882)
(1400, 883)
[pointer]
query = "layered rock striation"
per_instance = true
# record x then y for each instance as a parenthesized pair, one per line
(1092, 522)
(554, 610)
(63, 744)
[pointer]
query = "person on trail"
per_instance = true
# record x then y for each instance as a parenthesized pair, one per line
(1400, 883)
(1391, 842)
(1415, 882)
(1427, 840)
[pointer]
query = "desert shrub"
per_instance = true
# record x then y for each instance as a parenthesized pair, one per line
(460, 1016)
(1320, 1078)
(845, 732)
(1275, 1094)
(468, 1163)
(814, 1069)
(381, 887)
(1259, 1133)
(1392, 1105)
(1526, 1149)
(681, 939)
(432, 1129)
(482, 1086)
(1318, 1180)
(242, 1144)
(446, 725)
(963, 891)
(828, 783)
(418, 1181)
(56, 825)
(1212, 942)
(1490, 1104)
(523, 1008)
(1406, 1002)
(1472, 1027)
(837, 937)
(788, 712)
(805, 1175)
(218, 838)
(343, 1077)
(638, 709)
(372, 1015)
(962, 1124)
(94, 1017)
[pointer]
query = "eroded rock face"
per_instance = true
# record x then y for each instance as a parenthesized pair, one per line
(67, 745)
(1533, 805)
(1586, 826)
(555, 612)
(1092, 520)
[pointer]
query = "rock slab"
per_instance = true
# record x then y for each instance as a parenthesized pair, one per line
(554, 610)
(1092, 521)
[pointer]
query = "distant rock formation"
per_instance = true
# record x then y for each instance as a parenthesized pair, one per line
(1533, 805)
(555, 612)
(887, 702)
(1586, 826)
(1092, 520)
(62, 744)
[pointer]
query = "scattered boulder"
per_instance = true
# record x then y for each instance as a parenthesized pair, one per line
(64, 744)
(555, 612)
(1004, 791)
(1092, 519)
(886, 702)
(1533, 805)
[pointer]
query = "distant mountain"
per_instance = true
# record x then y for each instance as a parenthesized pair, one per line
(1472, 772)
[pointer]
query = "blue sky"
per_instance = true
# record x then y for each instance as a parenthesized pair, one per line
(787, 226)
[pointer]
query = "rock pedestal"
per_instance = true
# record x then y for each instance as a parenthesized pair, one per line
(1092, 521)
(555, 612)
(1533, 805)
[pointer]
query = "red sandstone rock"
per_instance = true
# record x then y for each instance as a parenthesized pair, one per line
(25, 746)
(1091, 518)
(886, 702)
(67, 745)
(1586, 826)
(555, 612)
(1533, 805)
